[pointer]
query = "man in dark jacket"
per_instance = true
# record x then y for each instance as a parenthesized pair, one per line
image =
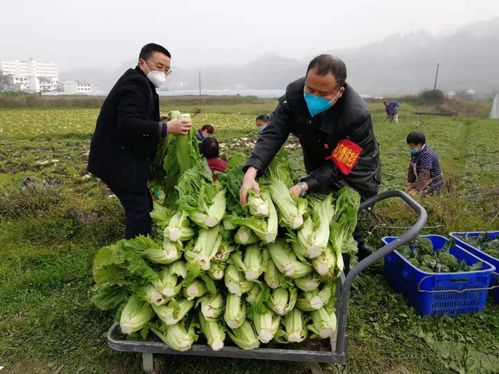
(335, 131)
(127, 132)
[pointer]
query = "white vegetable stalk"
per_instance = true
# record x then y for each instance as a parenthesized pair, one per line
(271, 275)
(324, 322)
(252, 295)
(244, 235)
(173, 251)
(290, 209)
(176, 336)
(217, 270)
(257, 206)
(152, 295)
(282, 300)
(308, 283)
(235, 311)
(216, 211)
(194, 290)
(169, 283)
(325, 264)
(295, 327)
(214, 332)
(235, 281)
(135, 315)
(245, 336)
(174, 311)
(205, 248)
(212, 306)
(178, 228)
(266, 325)
(253, 263)
(314, 300)
(314, 235)
(286, 261)
(224, 251)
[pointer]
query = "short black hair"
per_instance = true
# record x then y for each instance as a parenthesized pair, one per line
(209, 147)
(329, 64)
(416, 137)
(263, 117)
(148, 49)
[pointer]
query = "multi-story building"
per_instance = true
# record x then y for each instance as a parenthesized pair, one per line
(77, 88)
(31, 75)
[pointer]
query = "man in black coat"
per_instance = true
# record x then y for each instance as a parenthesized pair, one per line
(334, 127)
(126, 134)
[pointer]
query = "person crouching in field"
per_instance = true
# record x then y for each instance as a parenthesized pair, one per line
(126, 134)
(204, 132)
(392, 110)
(262, 121)
(424, 176)
(210, 149)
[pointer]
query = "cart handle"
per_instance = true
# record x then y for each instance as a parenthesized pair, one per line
(342, 302)
(457, 291)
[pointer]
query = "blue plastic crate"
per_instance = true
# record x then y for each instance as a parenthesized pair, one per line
(460, 238)
(439, 293)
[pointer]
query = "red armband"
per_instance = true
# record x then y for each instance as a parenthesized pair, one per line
(345, 155)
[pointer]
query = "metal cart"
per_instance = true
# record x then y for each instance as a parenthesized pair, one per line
(332, 351)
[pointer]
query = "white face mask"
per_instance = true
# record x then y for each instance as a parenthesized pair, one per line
(156, 77)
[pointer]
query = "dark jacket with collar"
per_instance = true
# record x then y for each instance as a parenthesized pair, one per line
(348, 119)
(126, 133)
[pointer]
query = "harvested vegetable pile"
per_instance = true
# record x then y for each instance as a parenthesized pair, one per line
(265, 272)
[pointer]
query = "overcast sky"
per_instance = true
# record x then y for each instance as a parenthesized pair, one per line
(198, 33)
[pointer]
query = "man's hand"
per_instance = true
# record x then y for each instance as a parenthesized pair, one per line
(178, 126)
(297, 189)
(249, 183)
(162, 118)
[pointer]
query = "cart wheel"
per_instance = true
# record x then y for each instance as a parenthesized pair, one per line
(147, 362)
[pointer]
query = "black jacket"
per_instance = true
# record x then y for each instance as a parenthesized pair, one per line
(126, 133)
(348, 119)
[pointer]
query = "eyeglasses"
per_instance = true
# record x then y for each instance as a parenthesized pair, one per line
(167, 70)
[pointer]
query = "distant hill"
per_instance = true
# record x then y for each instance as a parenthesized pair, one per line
(399, 64)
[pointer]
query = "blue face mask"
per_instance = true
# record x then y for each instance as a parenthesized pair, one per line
(317, 104)
(414, 151)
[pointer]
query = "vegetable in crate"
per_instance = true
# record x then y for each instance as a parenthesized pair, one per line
(485, 243)
(422, 255)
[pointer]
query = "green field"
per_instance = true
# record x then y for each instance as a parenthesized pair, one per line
(53, 217)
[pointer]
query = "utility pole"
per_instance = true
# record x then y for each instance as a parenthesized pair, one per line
(436, 77)
(199, 80)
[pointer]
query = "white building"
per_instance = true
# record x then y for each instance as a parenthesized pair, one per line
(494, 111)
(31, 75)
(77, 88)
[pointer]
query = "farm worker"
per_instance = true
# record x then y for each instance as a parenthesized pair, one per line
(210, 149)
(262, 121)
(204, 132)
(424, 175)
(127, 131)
(335, 131)
(392, 110)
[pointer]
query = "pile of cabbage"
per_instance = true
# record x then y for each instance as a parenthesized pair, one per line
(215, 272)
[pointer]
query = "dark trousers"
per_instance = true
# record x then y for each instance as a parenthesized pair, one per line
(363, 250)
(137, 206)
